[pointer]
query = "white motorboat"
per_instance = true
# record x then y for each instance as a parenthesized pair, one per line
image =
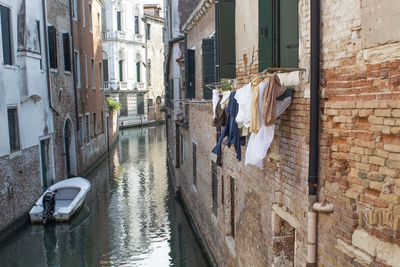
(60, 201)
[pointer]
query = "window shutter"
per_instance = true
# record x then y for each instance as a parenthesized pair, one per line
(265, 34)
(52, 46)
(171, 89)
(67, 55)
(105, 70)
(138, 72)
(6, 34)
(226, 36)
(288, 32)
(190, 73)
(208, 66)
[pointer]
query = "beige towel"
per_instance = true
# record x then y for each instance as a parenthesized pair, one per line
(271, 92)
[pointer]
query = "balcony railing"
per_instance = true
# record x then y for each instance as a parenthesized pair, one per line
(123, 85)
(140, 86)
(120, 35)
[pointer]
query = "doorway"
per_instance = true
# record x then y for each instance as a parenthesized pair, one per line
(69, 149)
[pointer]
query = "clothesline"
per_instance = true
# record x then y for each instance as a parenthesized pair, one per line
(254, 106)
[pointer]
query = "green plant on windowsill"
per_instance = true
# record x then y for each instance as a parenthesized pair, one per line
(163, 109)
(226, 85)
(113, 105)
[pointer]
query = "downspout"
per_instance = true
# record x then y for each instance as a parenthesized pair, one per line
(74, 66)
(313, 177)
(46, 45)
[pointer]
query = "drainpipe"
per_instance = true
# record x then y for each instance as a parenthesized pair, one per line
(46, 45)
(314, 133)
(73, 66)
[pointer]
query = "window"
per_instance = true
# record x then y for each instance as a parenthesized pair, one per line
(98, 26)
(232, 215)
(123, 101)
(194, 164)
(149, 73)
(190, 74)
(138, 72)
(102, 121)
(148, 31)
(93, 75)
(83, 13)
(51, 30)
(150, 102)
(67, 53)
(119, 21)
(94, 124)
(77, 70)
(105, 69)
(181, 147)
(74, 10)
(208, 67)
(86, 73)
(13, 129)
(214, 188)
(90, 18)
(225, 47)
(40, 42)
(136, 24)
(120, 65)
(140, 104)
(80, 130)
(87, 127)
(177, 148)
(100, 75)
(278, 34)
(6, 35)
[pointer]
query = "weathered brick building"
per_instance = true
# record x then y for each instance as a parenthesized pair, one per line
(249, 216)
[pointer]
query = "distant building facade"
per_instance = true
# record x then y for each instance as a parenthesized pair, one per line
(154, 26)
(124, 59)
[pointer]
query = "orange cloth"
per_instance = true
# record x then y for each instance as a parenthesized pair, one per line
(272, 90)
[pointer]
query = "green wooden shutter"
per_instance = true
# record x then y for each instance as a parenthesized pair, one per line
(6, 35)
(226, 36)
(208, 66)
(289, 36)
(190, 74)
(52, 46)
(67, 52)
(265, 34)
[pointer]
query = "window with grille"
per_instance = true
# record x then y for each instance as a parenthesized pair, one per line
(13, 129)
(77, 69)
(140, 104)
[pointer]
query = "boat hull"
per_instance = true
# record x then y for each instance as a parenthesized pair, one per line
(67, 203)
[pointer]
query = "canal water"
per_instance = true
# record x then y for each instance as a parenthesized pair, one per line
(130, 216)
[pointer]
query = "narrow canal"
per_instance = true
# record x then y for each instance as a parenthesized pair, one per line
(130, 217)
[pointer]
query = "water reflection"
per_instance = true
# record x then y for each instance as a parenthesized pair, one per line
(129, 217)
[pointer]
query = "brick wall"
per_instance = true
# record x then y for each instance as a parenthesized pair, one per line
(20, 184)
(359, 153)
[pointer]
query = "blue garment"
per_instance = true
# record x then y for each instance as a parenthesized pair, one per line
(231, 129)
